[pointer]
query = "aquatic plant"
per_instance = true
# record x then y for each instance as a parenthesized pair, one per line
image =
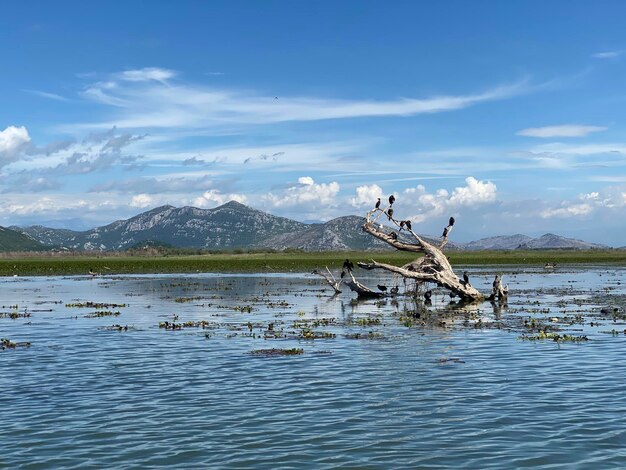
(277, 352)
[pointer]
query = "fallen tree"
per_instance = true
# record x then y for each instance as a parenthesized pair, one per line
(432, 266)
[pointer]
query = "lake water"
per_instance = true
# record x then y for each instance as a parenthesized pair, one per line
(372, 391)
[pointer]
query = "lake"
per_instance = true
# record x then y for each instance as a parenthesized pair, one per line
(375, 384)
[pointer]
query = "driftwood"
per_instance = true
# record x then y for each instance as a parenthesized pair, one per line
(499, 291)
(433, 266)
(328, 276)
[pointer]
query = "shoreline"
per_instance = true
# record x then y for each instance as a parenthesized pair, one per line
(115, 263)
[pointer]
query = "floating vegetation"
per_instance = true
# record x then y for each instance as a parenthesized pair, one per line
(117, 328)
(316, 323)
(369, 335)
(277, 352)
(102, 313)
(96, 305)
(559, 338)
(311, 334)
(367, 321)
(14, 315)
(6, 343)
(182, 300)
(451, 360)
(188, 324)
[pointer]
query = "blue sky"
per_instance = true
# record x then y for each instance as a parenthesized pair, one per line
(507, 115)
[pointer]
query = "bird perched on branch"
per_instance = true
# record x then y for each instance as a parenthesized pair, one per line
(392, 199)
(393, 235)
(466, 279)
(451, 221)
(348, 265)
(394, 290)
(377, 204)
(428, 294)
(402, 222)
(445, 233)
(408, 224)
(390, 213)
(382, 288)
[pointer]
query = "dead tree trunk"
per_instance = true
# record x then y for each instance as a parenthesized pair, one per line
(433, 266)
(334, 283)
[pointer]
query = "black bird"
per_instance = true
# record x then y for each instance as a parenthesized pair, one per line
(377, 204)
(348, 265)
(392, 199)
(495, 281)
(445, 232)
(343, 273)
(408, 224)
(381, 287)
(394, 290)
(390, 213)
(393, 235)
(465, 278)
(428, 294)
(451, 221)
(402, 222)
(410, 267)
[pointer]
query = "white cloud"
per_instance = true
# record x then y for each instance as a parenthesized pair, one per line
(474, 193)
(45, 94)
(214, 197)
(12, 141)
(306, 193)
(568, 210)
(607, 54)
(146, 74)
(148, 102)
(565, 130)
(367, 195)
(141, 200)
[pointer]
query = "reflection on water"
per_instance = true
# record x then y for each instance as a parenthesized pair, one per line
(385, 384)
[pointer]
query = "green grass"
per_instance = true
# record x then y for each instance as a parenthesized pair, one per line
(277, 262)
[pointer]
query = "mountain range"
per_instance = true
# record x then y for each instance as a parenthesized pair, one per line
(234, 225)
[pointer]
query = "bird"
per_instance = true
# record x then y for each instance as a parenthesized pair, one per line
(393, 235)
(495, 281)
(343, 273)
(276, 97)
(451, 221)
(377, 204)
(392, 199)
(402, 222)
(348, 265)
(445, 232)
(465, 278)
(428, 294)
(381, 287)
(408, 224)
(390, 213)
(394, 290)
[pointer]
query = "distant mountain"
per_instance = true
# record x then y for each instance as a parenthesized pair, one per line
(552, 241)
(231, 225)
(11, 240)
(507, 242)
(341, 234)
(48, 236)
(234, 225)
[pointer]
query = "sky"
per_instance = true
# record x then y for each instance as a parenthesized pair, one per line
(508, 116)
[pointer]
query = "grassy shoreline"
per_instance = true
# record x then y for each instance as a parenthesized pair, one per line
(37, 265)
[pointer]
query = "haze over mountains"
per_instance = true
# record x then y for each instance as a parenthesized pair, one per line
(234, 225)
